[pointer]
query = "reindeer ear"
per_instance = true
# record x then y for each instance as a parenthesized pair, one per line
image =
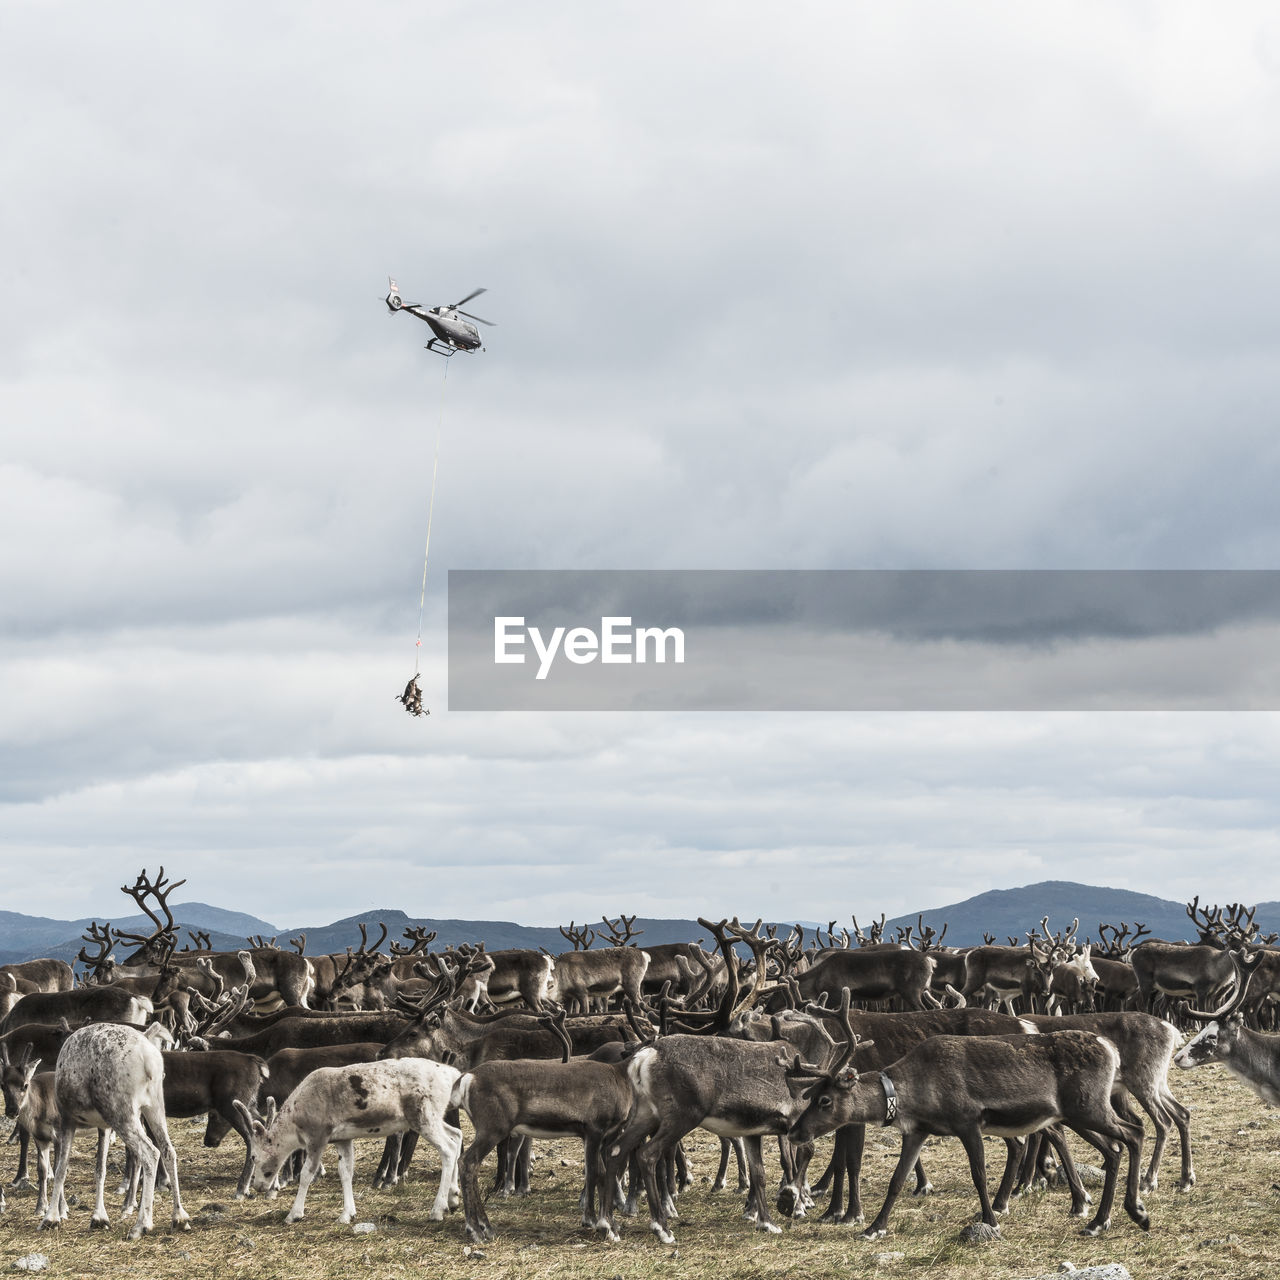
(271, 1111)
(32, 1068)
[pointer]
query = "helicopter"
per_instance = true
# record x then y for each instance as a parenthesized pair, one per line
(451, 333)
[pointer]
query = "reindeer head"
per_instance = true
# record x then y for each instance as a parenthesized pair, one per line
(15, 1078)
(268, 1144)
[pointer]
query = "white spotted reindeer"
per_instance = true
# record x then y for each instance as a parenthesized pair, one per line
(340, 1104)
(111, 1077)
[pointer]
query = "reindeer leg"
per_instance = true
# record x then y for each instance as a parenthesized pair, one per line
(54, 1208)
(346, 1171)
(758, 1195)
(477, 1221)
(310, 1168)
(408, 1145)
(21, 1178)
(833, 1177)
(134, 1135)
(971, 1139)
(100, 1218)
(912, 1143)
(854, 1149)
(717, 1183)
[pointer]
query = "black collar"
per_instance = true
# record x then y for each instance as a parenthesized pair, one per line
(890, 1101)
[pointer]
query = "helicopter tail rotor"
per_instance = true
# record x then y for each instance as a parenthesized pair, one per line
(394, 301)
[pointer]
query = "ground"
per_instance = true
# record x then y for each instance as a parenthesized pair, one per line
(1225, 1227)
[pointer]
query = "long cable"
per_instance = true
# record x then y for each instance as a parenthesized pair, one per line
(431, 507)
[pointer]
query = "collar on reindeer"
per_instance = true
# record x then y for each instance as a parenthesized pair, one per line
(890, 1101)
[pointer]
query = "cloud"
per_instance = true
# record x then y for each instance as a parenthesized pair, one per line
(894, 287)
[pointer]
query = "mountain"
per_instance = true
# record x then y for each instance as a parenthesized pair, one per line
(1000, 911)
(25, 937)
(1005, 912)
(497, 935)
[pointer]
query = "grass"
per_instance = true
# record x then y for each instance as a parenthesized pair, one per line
(1225, 1227)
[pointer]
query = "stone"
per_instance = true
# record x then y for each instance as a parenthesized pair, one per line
(979, 1233)
(1108, 1271)
(32, 1262)
(363, 1228)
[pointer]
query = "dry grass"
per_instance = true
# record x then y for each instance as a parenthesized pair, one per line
(1226, 1227)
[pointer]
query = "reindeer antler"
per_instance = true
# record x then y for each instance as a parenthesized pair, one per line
(581, 938)
(621, 936)
(418, 937)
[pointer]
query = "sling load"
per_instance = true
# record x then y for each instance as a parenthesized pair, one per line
(452, 334)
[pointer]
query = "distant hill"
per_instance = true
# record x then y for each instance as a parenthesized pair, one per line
(998, 911)
(497, 935)
(25, 937)
(1005, 912)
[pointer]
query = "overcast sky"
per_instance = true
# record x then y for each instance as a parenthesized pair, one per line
(830, 285)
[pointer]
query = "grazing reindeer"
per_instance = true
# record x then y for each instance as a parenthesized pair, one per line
(340, 1104)
(962, 1087)
(111, 1077)
(1251, 1056)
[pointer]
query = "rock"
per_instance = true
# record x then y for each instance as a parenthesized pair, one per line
(1108, 1271)
(979, 1233)
(245, 1243)
(32, 1262)
(568, 1164)
(363, 1228)
(887, 1259)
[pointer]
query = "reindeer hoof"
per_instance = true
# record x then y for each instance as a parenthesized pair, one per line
(99, 1224)
(926, 1190)
(662, 1233)
(771, 1227)
(50, 1224)
(1187, 1183)
(1096, 1228)
(874, 1233)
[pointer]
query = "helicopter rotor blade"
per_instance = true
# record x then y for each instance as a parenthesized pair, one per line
(491, 323)
(453, 306)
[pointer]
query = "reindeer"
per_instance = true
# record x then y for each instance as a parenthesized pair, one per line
(1197, 971)
(340, 1104)
(44, 974)
(961, 1086)
(540, 1099)
(285, 972)
(111, 1077)
(891, 1036)
(583, 977)
(1251, 1056)
(871, 972)
(29, 1099)
(81, 1004)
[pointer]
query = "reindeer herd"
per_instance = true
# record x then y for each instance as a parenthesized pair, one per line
(630, 1049)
